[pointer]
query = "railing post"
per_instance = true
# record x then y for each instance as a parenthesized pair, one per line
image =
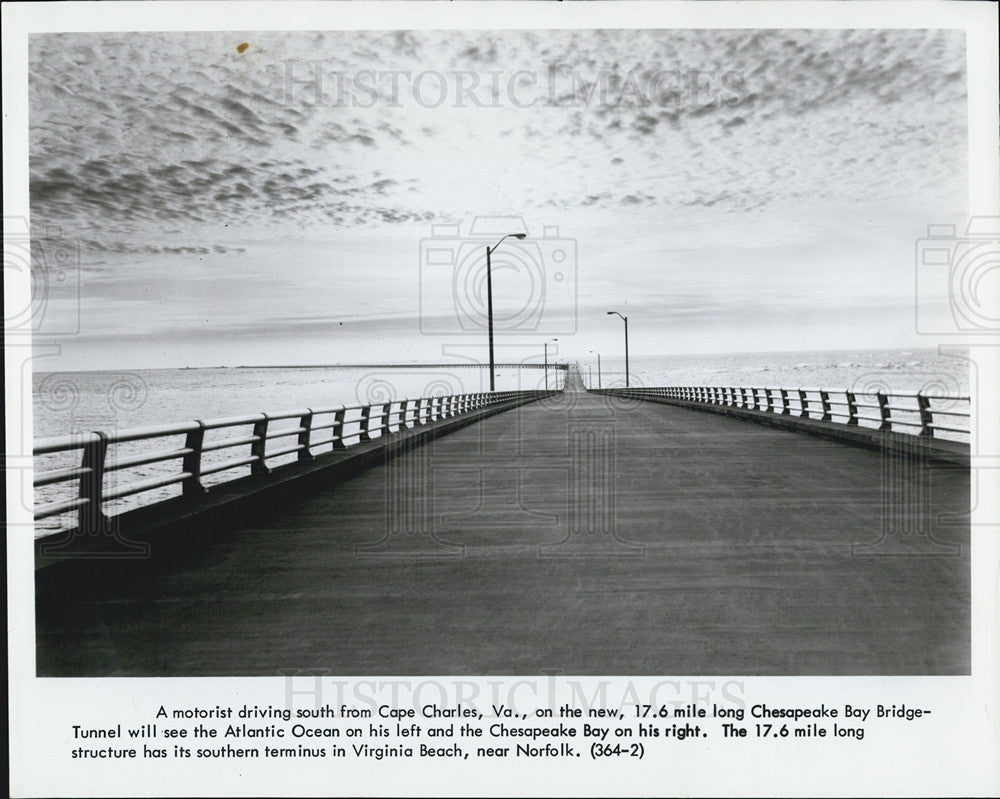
(884, 411)
(366, 419)
(195, 439)
(852, 408)
(385, 418)
(338, 429)
(258, 448)
(90, 518)
(743, 398)
(926, 416)
(785, 405)
(418, 411)
(824, 397)
(305, 422)
(756, 399)
(404, 423)
(803, 404)
(770, 400)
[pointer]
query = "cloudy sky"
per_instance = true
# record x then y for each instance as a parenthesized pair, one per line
(327, 197)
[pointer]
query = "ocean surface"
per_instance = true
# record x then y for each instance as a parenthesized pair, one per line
(887, 370)
(68, 402)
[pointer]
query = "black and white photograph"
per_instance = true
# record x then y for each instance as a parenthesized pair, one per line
(567, 349)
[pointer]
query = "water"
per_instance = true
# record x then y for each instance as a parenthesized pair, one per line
(67, 402)
(70, 401)
(922, 370)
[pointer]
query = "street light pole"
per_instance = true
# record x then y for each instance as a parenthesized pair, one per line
(624, 319)
(592, 352)
(489, 303)
(547, 362)
(489, 307)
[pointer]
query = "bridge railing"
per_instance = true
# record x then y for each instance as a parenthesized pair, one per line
(898, 411)
(205, 449)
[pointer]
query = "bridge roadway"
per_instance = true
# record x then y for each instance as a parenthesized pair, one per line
(582, 534)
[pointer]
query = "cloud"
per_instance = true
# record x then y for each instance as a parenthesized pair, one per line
(179, 127)
(153, 148)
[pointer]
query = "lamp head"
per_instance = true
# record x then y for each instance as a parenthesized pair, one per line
(611, 313)
(518, 235)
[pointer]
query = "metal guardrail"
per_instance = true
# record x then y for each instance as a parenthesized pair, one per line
(338, 426)
(924, 415)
